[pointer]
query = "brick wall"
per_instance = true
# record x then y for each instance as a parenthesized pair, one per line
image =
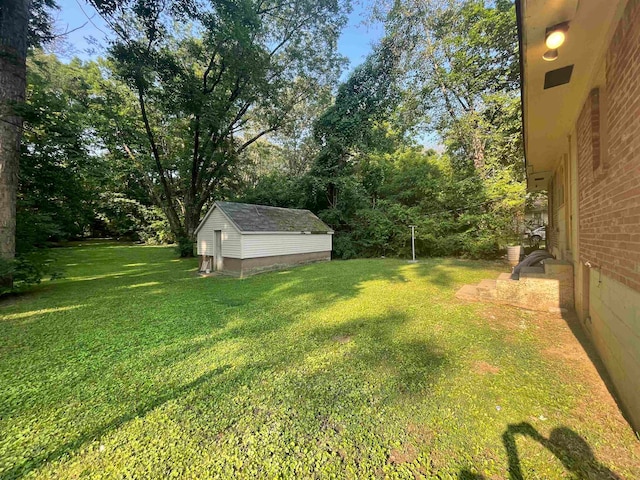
(609, 167)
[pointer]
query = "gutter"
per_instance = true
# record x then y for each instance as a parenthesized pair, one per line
(519, 23)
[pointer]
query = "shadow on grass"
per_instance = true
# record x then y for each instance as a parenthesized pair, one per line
(110, 336)
(36, 462)
(408, 367)
(579, 332)
(567, 446)
(413, 363)
(438, 271)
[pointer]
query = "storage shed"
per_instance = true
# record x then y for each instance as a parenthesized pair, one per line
(241, 238)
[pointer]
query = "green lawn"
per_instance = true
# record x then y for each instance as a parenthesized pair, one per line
(132, 366)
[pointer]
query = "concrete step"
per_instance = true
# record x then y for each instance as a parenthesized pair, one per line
(554, 267)
(532, 272)
(487, 289)
(468, 292)
(504, 276)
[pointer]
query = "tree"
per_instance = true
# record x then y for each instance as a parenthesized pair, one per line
(352, 124)
(14, 21)
(209, 89)
(461, 64)
(22, 23)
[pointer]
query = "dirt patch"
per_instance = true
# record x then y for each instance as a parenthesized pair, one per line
(505, 318)
(438, 460)
(482, 368)
(421, 433)
(572, 353)
(406, 454)
(562, 341)
(342, 338)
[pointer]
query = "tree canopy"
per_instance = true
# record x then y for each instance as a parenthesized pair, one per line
(241, 100)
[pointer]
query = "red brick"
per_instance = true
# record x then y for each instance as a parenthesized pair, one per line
(609, 186)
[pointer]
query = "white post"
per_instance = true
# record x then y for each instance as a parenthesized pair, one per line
(413, 242)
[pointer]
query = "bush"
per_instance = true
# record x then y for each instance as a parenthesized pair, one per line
(27, 270)
(483, 248)
(343, 246)
(184, 247)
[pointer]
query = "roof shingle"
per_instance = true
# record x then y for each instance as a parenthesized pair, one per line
(261, 218)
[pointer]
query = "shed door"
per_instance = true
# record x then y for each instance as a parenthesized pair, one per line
(217, 245)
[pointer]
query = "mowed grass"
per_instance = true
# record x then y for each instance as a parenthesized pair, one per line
(134, 367)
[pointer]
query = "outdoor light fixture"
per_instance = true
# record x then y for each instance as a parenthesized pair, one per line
(556, 35)
(550, 55)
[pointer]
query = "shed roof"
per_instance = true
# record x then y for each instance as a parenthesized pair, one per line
(261, 218)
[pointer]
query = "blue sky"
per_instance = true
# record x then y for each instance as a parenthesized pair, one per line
(355, 42)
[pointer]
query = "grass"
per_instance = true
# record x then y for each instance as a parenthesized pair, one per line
(132, 366)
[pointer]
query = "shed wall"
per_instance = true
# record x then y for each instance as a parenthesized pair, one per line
(270, 245)
(231, 238)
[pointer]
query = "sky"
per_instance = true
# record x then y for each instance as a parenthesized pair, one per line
(85, 27)
(354, 43)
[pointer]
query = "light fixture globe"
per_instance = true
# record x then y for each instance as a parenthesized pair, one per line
(555, 39)
(556, 35)
(551, 55)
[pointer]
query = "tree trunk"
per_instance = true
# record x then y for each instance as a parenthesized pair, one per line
(191, 221)
(477, 151)
(14, 21)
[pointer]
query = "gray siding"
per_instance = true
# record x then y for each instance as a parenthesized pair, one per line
(231, 238)
(270, 245)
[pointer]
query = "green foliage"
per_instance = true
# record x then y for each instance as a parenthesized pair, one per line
(388, 192)
(41, 22)
(234, 101)
(278, 189)
(57, 174)
(461, 62)
(28, 269)
(206, 82)
(343, 246)
(184, 247)
(453, 66)
(353, 123)
(134, 367)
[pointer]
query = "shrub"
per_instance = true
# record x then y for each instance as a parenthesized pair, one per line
(343, 246)
(483, 248)
(28, 269)
(184, 247)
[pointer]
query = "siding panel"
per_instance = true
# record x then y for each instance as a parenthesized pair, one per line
(231, 239)
(284, 244)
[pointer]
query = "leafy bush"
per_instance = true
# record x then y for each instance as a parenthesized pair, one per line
(28, 269)
(456, 213)
(343, 246)
(486, 247)
(184, 247)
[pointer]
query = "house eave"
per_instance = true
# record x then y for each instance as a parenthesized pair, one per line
(549, 114)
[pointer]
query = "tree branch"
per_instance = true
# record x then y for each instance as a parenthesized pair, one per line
(171, 213)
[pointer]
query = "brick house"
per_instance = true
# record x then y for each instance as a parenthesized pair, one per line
(581, 115)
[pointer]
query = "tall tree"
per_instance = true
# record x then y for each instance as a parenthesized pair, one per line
(14, 22)
(213, 78)
(22, 22)
(461, 62)
(367, 98)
